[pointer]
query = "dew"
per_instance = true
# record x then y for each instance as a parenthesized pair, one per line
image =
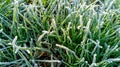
(117, 50)
(16, 2)
(28, 51)
(118, 30)
(44, 31)
(1, 30)
(94, 64)
(78, 27)
(109, 61)
(86, 62)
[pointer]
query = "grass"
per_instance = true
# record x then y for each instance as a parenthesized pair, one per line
(59, 33)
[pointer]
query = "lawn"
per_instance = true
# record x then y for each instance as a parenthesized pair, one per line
(59, 33)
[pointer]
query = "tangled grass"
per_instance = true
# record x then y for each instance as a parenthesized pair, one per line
(60, 33)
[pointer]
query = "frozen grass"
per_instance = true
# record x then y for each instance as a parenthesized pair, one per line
(60, 33)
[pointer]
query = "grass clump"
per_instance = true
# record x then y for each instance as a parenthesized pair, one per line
(56, 33)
